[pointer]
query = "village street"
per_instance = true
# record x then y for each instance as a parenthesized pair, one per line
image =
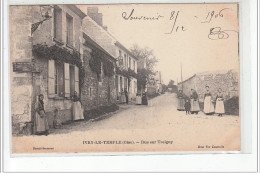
(141, 128)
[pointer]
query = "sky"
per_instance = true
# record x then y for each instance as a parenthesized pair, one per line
(180, 36)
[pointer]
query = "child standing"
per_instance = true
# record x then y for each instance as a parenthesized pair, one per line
(187, 107)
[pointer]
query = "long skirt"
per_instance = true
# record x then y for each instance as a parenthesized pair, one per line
(208, 105)
(40, 122)
(77, 111)
(144, 100)
(122, 99)
(194, 105)
(138, 100)
(219, 106)
(181, 103)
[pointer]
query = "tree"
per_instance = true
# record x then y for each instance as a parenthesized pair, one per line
(144, 74)
(171, 84)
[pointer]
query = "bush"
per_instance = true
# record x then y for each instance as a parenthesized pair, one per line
(232, 106)
(94, 113)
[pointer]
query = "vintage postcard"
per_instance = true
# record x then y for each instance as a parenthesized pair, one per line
(124, 78)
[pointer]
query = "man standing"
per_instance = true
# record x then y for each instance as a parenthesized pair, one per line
(126, 96)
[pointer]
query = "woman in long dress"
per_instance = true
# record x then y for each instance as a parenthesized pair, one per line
(123, 98)
(77, 111)
(195, 108)
(208, 105)
(144, 99)
(181, 101)
(40, 120)
(220, 109)
(138, 99)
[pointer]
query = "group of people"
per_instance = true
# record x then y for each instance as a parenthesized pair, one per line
(141, 99)
(124, 96)
(41, 126)
(191, 104)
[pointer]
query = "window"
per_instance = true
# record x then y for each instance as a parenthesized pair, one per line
(63, 79)
(57, 23)
(69, 22)
(125, 60)
(72, 80)
(59, 79)
(134, 66)
(130, 63)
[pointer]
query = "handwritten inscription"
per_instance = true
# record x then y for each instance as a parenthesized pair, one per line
(132, 17)
(217, 33)
(212, 14)
(174, 16)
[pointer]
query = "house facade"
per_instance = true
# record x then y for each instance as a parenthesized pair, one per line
(126, 63)
(126, 71)
(56, 58)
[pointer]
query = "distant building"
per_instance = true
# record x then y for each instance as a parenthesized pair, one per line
(226, 80)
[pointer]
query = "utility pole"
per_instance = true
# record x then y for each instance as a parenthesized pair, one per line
(181, 78)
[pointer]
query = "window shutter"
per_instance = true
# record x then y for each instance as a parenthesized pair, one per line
(77, 79)
(51, 78)
(67, 79)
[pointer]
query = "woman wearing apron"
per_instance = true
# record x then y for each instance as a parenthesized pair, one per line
(195, 108)
(220, 109)
(208, 105)
(138, 99)
(77, 111)
(41, 126)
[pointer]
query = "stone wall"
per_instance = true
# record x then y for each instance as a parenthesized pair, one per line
(20, 51)
(95, 93)
(227, 81)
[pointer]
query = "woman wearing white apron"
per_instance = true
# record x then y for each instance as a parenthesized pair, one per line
(138, 99)
(195, 108)
(220, 109)
(41, 126)
(208, 105)
(77, 111)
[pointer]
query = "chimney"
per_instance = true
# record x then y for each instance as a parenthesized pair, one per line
(93, 13)
(105, 28)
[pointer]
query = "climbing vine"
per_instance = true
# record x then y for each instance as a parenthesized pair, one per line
(95, 63)
(60, 54)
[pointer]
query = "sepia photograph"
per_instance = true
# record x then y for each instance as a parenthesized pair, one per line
(113, 78)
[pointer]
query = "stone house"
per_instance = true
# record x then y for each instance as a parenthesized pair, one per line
(228, 81)
(99, 89)
(53, 54)
(126, 63)
(127, 71)
(53, 59)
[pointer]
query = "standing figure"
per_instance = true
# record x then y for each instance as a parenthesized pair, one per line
(77, 111)
(181, 101)
(40, 120)
(195, 108)
(220, 109)
(144, 99)
(123, 99)
(138, 99)
(126, 95)
(208, 105)
(187, 106)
